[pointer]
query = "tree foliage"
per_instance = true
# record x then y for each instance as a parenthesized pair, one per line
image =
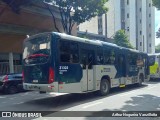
(157, 49)
(71, 11)
(156, 3)
(158, 33)
(121, 39)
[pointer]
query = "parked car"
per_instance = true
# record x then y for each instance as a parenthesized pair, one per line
(11, 83)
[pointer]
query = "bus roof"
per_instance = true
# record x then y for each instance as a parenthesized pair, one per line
(87, 41)
(83, 40)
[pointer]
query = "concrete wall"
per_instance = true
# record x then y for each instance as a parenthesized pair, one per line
(31, 20)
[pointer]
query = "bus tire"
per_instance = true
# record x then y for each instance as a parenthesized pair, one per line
(104, 87)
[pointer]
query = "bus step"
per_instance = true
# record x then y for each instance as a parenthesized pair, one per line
(122, 86)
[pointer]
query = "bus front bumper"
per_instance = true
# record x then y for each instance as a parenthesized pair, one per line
(41, 87)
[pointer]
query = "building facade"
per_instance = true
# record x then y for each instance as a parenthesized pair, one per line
(136, 17)
(14, 28)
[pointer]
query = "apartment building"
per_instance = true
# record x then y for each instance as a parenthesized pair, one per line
(136, 17)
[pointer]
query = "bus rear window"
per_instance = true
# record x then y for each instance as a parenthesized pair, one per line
(37, 50)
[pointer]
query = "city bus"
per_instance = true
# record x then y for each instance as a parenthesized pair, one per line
(155, 66)
(56, 62)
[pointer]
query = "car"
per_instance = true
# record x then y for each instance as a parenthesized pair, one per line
(11, 83)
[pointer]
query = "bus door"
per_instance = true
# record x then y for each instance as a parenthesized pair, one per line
(121, 68)
(87, 61)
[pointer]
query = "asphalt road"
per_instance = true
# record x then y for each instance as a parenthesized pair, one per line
(132, 98)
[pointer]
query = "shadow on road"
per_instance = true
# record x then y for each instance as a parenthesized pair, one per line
(154, 81)
(70, 100)
(143, 102)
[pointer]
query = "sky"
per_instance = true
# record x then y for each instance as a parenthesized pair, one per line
(157, 25)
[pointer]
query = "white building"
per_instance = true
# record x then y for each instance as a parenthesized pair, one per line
(136, 17)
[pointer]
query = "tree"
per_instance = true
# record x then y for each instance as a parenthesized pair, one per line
(156, 3)
(158, 33)
(157, 50)
(71, 11)
(121, 39)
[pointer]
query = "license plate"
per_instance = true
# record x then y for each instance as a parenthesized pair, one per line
(35, 81)
(33, 87)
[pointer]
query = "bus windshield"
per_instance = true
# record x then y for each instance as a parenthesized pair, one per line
(37, 50)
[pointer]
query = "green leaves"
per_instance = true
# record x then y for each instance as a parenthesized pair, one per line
(156, 3)
(121, 39)
(157, 50)
(79, 11)
(158, 33)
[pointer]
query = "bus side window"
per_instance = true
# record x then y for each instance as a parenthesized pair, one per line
(74, 53)
(64, 51)
(100, 59)
(109, 57)
(69, 52)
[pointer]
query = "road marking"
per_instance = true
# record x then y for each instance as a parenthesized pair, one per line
(12, 98)
(91, 105)
(2, 97)
(19, 103)
(124, 94)
(151, 87)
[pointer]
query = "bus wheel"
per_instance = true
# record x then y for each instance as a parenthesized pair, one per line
(104, 87)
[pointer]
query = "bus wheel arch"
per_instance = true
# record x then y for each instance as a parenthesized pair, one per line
(104, 86)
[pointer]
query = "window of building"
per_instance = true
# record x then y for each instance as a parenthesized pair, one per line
(150, 45)
(127, 15)
(149, 4)
(150, 35)
(140, 43)
(150, 15)
(140, 32)
(149, 25)
(140, 21)
(127, 28)
(127, 2)
(140, 9)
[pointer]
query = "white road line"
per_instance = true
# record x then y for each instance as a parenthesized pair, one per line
(151, 87)
(87, 106)
(128, 93)
(12, 98)
(2, 97)
(19, 103)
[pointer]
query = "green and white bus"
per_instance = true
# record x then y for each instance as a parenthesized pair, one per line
(154, 68)
(56, 62)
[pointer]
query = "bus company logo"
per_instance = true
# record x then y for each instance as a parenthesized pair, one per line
(6, 114)
(106, 70)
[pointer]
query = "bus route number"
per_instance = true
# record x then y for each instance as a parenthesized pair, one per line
(63, 69)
